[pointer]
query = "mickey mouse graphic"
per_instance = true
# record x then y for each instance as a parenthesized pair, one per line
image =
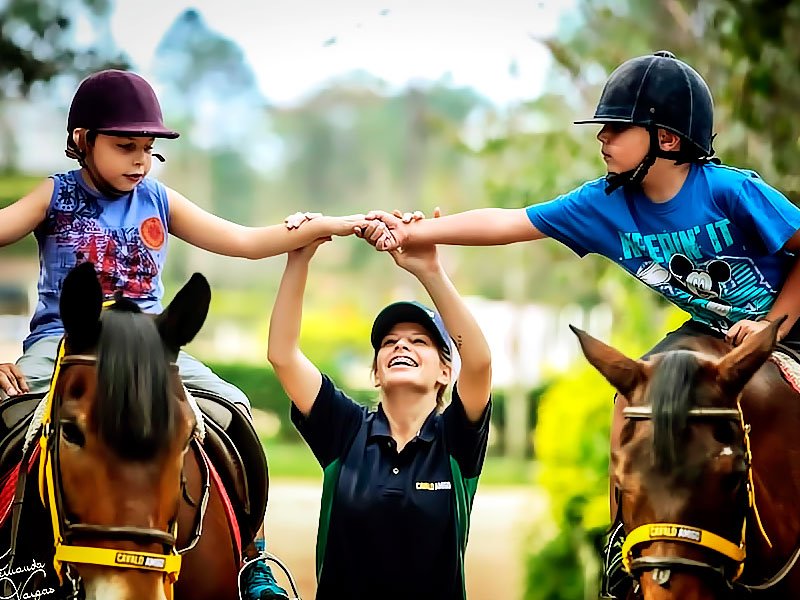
(703, 283)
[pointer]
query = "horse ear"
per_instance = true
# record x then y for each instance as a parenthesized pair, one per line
(736, 368)
(185, 315)
(624, 373)
(80, 305)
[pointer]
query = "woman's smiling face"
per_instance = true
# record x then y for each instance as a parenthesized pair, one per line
(409, 356)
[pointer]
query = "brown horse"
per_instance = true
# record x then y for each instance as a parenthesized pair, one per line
(122, 473)
(685, 472)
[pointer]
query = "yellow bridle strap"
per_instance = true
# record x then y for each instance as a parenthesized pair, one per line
(751, 486)
(170, 564)
(673, 532)
(47, 416)
(44, 464)
(46, 487)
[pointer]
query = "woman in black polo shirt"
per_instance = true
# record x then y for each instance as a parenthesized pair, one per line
(398, 481)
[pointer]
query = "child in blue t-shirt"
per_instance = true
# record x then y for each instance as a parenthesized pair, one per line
(717, 241)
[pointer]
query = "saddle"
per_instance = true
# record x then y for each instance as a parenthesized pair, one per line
(15, 417)
(231, 443)
(236, 452)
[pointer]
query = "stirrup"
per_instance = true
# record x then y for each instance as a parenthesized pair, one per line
(267, 557)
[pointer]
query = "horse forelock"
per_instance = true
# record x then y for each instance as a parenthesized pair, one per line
(671, 394)
(132, 411)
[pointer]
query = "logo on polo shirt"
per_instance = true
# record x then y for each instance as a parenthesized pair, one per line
(433, 485)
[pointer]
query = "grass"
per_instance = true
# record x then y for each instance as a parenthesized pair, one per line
(14, 187)
(291, 461)
(295, 461)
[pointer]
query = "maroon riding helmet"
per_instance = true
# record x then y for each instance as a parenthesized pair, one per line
(117, 103)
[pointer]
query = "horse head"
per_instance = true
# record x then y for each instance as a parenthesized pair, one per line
(682, 467)
(119, 427)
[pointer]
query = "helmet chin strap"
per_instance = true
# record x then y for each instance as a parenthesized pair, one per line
(637, 175)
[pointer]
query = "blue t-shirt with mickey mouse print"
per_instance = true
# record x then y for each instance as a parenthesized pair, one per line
(715, 249)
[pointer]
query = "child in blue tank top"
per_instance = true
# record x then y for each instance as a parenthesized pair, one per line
(109, 212)
(716, 241)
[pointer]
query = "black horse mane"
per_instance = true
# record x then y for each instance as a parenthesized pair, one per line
(671, 397)
(133, 414)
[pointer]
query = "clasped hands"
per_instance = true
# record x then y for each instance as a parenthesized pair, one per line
(385, 231)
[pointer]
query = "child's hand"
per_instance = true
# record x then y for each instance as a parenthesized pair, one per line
(417, 215)
(388, 231)
(297, 219)
(347, 225)
(741, 330)
(385, 231)
(12, 381)
(305, 253)
(417, 260)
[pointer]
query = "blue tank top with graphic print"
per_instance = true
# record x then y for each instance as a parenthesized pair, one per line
(125, 238)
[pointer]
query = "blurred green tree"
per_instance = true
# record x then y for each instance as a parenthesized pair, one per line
(206, 77)
(37, 42)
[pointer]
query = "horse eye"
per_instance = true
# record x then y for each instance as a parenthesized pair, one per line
(72, 433)
(724, 433)
(76, 388)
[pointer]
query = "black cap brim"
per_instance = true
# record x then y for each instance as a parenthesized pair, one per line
(155, 133)
(602, 121)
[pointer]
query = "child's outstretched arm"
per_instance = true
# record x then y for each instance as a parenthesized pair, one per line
(19, 219)
(301, 380)
(480, 227)
(200, 228)
(475, 379)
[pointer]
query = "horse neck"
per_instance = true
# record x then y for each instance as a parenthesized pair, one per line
(772, 409)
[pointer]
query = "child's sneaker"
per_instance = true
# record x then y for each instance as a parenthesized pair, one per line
(257, 582)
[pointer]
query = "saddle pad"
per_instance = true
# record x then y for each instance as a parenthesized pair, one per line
(789, 368)
(8, 486)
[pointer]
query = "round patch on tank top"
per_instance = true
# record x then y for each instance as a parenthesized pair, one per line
(152, 232)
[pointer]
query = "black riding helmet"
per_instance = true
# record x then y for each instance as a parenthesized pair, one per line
(658, 91)
(118, 103)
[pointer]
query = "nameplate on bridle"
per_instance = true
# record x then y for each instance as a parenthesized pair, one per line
(660, 531)
(140, 560)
